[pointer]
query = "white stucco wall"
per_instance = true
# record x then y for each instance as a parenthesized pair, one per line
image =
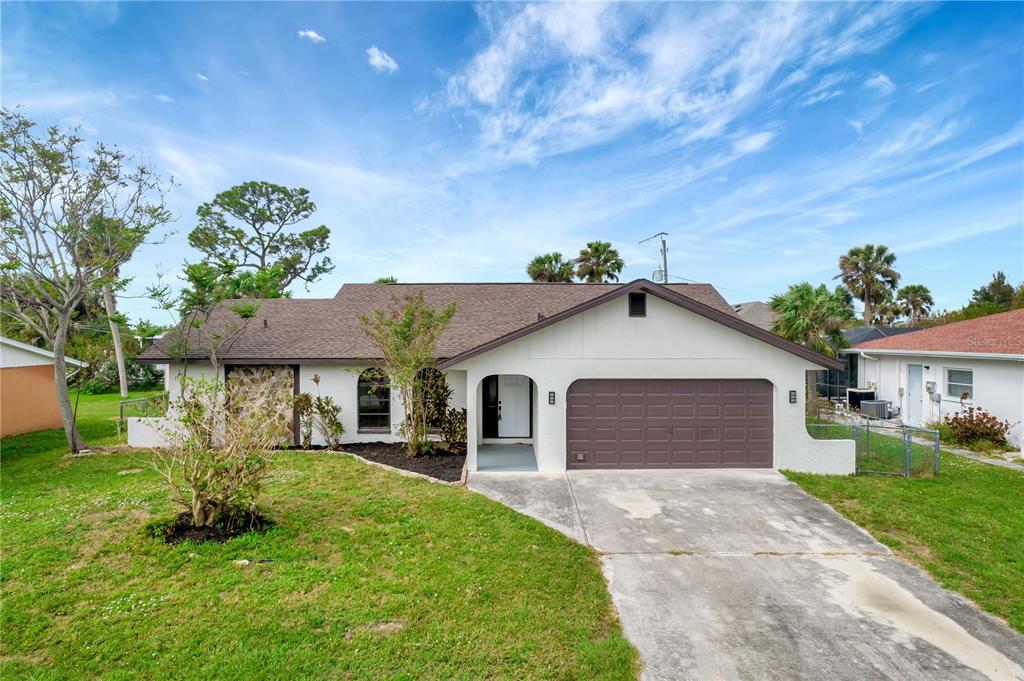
(337, 381)
(670, 342)
(998, 386)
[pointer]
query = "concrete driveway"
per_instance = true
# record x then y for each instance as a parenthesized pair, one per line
(742, 575)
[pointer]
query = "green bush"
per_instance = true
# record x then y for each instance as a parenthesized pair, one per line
(140, 377)
(453, 430)
(974, 425)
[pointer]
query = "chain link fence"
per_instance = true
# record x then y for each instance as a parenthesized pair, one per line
(154, 405)
(883, 447)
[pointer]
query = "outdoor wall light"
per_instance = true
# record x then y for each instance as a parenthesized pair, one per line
(792, 397)
(551, 397)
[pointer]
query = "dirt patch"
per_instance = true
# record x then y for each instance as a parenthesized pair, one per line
(375, 628)
(441, 464)
(228, 527)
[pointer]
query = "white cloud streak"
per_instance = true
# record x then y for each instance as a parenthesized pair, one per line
(881, 83)
(312, 36)
(202, 77)
(163, 99)
(560, 77)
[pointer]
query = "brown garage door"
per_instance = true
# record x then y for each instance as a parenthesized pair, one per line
(657, 423)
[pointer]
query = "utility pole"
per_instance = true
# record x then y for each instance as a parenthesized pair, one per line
(664, 256)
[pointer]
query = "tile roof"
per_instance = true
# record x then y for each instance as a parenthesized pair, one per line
(328, 329)
(1001, 334)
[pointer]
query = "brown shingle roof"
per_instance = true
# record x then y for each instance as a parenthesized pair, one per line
(328, 329)
(1001, 334)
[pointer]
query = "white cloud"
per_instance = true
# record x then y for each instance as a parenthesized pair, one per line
(554, 78)
(312, 36)
(752, 143)
(881, 83)
(857, 125)
(164, 99)
(202, 77)
(380, 60)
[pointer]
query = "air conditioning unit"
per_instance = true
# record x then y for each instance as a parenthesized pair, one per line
(854, 396)
(876, 409)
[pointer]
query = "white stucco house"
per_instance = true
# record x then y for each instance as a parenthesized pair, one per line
(557, 376)
(933, 372)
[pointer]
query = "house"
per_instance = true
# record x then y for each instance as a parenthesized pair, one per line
(934, 372)
(833, 383)
(556, 376)
(28, 393)
(757, 313)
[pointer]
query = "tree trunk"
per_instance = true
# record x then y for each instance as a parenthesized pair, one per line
(812, 386)
(115, 334)
(60, 379)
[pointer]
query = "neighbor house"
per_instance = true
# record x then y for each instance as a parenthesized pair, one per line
(28, 392)
(757, 313)
(833, 383)
(934, 372)
(554, 376)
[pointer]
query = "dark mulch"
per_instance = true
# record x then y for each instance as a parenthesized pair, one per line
(226, 528)
(441, 464)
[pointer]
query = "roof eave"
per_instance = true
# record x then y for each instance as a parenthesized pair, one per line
(936, 353)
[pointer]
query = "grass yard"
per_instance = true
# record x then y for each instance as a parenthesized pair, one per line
(367, 574)
(965, 527)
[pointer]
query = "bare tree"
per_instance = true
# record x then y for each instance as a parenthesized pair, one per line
(219, 447)
(68, 222)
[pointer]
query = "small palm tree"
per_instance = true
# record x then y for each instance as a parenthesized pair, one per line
(812, 316)
(915, 301)
(867, 271)
(599, 262)
(550, 267)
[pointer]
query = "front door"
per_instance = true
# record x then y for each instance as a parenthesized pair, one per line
(914, 394)
(513, 406)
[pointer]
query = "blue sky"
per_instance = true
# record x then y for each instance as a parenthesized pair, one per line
(453, 142)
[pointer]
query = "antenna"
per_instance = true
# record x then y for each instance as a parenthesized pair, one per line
(661, 274)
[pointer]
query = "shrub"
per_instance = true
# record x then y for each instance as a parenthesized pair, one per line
(140, 377)
(322, 413)
(304, 407)
(974, 424)
(453, 430)
(221, 440)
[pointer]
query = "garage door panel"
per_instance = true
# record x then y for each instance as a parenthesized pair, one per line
(668, 423)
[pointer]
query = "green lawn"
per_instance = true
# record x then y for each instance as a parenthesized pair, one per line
(367, 574)
(965, 527)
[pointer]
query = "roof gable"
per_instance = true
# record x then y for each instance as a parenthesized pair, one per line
(665, 293)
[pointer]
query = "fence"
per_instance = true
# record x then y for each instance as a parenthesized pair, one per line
(154, 405)
(885, 448)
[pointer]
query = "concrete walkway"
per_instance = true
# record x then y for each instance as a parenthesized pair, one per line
(742, 575)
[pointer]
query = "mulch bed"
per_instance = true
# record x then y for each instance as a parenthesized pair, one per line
(225, 529)
(441, 464)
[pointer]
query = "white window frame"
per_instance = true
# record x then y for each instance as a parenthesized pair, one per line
(946, 382)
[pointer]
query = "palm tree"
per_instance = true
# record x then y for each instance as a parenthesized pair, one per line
(599, 262)
(812, 316)
(915, 301)
(867, 271)
(550, 267)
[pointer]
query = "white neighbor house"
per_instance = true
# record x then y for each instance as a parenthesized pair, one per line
(934, 372)
(557, 376)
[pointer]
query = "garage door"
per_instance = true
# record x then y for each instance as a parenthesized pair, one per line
(657, 423)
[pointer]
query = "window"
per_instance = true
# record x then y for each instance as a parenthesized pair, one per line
(637, 304)
(960, 384)
(374, 397)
